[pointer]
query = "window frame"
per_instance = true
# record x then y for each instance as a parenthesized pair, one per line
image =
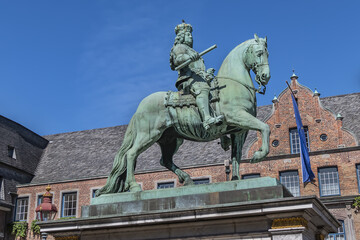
(197, 181)
(250, 176)
(335, 235)
(298, 183)
(338, 181)
(307, 139)
(2, 188)
(39, 199)
(63, 194)
(92, 193)
(358, 175)
(11, 152)
(27, 208)
(165, 182)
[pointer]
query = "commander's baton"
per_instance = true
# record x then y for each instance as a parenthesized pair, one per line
(184, 64)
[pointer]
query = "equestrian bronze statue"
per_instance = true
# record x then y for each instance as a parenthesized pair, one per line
(205, 108)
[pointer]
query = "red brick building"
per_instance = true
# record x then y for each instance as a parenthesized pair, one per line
(75, 164)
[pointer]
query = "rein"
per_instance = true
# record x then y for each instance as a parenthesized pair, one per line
(258, 90)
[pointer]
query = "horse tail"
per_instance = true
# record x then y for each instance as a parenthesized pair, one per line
(116, 180)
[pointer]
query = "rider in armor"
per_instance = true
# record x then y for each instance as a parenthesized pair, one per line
(194, 77)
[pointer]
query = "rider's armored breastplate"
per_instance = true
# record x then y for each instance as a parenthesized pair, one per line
(195, 68)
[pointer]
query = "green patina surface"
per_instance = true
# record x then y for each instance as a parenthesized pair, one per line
(231, 115)
(187, 190)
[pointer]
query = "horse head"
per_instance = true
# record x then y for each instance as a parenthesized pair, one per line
(256, 59)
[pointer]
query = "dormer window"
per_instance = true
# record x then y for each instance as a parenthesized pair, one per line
(11, 152)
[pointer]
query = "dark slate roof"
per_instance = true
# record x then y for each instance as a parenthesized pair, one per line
(28, 146)
(90, 153)
(349, 107)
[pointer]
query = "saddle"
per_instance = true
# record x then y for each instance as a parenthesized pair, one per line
(186, 99)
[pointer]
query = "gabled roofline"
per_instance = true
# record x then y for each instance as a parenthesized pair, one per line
(26, 133)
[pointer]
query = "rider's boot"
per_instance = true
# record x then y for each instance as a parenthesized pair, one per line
(202, 101)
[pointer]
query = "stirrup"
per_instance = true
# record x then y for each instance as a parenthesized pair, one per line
(219, 119)
(208, 122)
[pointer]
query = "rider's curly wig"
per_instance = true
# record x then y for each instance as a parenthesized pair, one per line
(179, 39)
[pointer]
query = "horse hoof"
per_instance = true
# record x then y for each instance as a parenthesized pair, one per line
(134, 187)
(188, 182)
(234, 178)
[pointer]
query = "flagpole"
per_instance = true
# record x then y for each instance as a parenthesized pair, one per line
(290, 89)
(308, 175)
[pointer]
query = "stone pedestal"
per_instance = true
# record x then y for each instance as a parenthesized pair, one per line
(246, 209)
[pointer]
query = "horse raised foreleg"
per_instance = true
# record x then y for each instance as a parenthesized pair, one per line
(237, 142)
(245, 120)
(168, 149)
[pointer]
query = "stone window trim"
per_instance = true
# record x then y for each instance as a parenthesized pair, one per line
(297, 185)
(25, 196)
(174, 180)
(92, 189)
(68, 191)
(203, 177)
(330, 169)
(275, 143)
(323, 137)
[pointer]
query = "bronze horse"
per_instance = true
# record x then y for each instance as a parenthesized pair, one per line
(153, 122)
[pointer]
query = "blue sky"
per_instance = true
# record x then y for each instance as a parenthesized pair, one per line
(76, 65)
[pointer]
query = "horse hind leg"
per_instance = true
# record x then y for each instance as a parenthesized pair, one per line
(143, 141)
(237, 142)
(168, 149)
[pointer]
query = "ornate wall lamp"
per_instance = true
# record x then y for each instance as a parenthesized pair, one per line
(46, 210)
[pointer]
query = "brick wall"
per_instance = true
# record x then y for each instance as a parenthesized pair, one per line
(340, 150)
(313, 115)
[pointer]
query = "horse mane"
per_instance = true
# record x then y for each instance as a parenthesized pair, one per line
(234, 54)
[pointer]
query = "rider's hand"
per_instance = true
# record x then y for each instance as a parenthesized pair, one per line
(194, 56)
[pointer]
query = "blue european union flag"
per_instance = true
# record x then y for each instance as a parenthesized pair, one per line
(307, 173)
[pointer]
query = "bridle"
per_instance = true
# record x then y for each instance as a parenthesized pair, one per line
(255, 66)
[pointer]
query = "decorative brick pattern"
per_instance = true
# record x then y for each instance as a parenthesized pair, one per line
(340, 150)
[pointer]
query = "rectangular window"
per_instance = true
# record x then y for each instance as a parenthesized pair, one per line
(201, 181)
(2, 191)
(329, 181)
(295, 140)
(290, 179)
(93, 192)
(253, 175)
(39, 199)
(340, 235)
(165, 185)
(69, 204)
(21, 209)
(358, 175)
(11, 152)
